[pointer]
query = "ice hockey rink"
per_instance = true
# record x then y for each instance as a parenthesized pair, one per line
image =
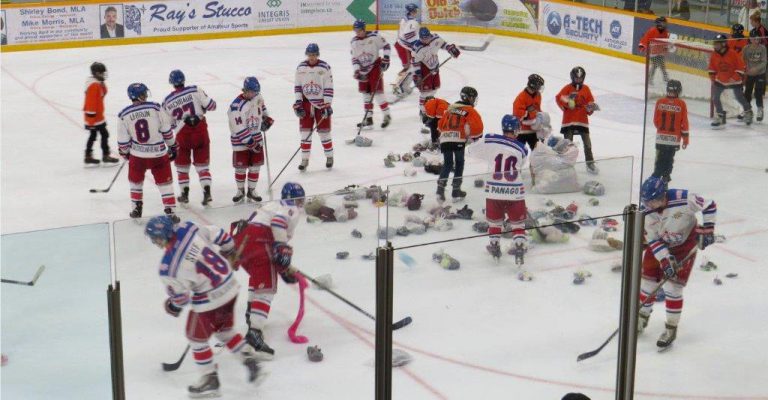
(477, 332)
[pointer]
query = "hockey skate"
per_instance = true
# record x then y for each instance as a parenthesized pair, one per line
(109, 161)
(329, 162)
(253, 196)
(304, 164)
(137, 208)
(494, 250)
(169, 212)
(255, 338)
(719, 122)
(519, 252)
(642, 321)
(760, 114)
(667, 338)
(239, 196)
(183, 198)
(90, 161)
(207, 196)
(748, 117)
(386, 121)
(440, 193)
(457, 194)
(251, 363)
(367, 123)
(207, 387)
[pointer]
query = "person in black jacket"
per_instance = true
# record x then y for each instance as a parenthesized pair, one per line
(110, 28)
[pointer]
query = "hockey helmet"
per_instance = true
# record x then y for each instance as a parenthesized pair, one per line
(754, 35)
(737, 30)
(252, 84)
(411, 8)
(510, 124)
(577, 75)
(312, 48)
(653, 188)
(468, 95)
(176, 78)
(292, 192)
(138, 90)
(719, 42)
(159, 230)
(674, 87)
(99, 70)
(358, 24)
(424, 33)
(661, 23)
(535, 82)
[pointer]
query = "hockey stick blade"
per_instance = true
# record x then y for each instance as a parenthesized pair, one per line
(402, 323)
(113, 180)
(28, 283)
(174, 366)
(488, 40)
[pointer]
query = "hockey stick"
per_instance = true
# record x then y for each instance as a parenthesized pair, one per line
(269, 172)
(488, 40)
(650, 298)
(368, 112)
(395, 326)
(29, 283)
(113, 180)
(294, 154)
(174, 366)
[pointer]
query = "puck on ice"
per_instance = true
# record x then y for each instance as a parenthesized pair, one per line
(314, 354)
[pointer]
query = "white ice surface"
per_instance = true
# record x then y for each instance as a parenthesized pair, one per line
(477, 332)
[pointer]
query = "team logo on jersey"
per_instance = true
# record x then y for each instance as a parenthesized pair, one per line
(615, 29)
(366, 58)
(554, 23)
(312, 89)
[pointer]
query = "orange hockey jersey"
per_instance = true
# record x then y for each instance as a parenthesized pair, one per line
(460, 122)
(435, 108)
(525, 108)
(728, 68)
(94, 102)
(578, 116)
(651, 34)
(738, 44)
(670, 116)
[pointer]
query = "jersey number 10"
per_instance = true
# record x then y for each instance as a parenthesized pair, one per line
(505, 168)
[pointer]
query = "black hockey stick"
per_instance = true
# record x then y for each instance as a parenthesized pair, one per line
(174, 366)
(488, 40)
(395, 326)
(650, 298)
(113, 180)
(28, 283)
(294, 154)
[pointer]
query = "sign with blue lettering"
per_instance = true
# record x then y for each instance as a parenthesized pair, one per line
(588, 26)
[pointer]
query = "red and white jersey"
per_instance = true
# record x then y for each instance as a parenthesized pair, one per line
(427, 53)
(365, 51)
(408, 32)
(245, 118)
(281, 216)
(194, 271)
(506, 157)
(315, 82)
(185, 102)
(670, 227)
(144, 130)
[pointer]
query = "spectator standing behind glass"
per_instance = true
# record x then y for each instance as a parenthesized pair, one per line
(746, 12)
(110, 28)
(738, 40)
(756, 57)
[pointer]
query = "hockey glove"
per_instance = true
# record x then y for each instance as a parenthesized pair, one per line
(385, 63)
(126, 154)
(326, 111)
(418, 79)
(592, 107)
(281, 254)
(172, 309)
(453, 50)
(298, 108)
(669, 267)
(706, 234)
(360, 76)
(192, 120)
(172, 151)
(266, 123)
(288, 276)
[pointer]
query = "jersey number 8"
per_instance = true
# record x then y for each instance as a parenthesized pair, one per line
(142, 130)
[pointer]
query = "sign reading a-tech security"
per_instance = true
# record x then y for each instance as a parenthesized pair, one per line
(588, 26)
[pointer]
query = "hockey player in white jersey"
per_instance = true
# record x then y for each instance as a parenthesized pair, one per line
(369, 71)
(425, 63)
(195, 272)
(406, 35)
(248, 122)
(504, 188)
(186, 107)
(264, 238)
(313, 87)
(145, 139)
(672, 232)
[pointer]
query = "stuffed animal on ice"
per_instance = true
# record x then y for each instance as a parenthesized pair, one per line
(553, 165)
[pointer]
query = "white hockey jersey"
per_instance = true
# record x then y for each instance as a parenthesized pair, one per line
(280, 216)
(408, 32)
(506, 157)
(245, 117)
(365, 51)
(144, 131)
(427, 53)
(194, 271)
(188, 101)
(672, 225)
(315, 82)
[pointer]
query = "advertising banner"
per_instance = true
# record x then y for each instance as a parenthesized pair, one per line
(327, 12)
(587, 26)
(517, 15)
(392, 11)
(49, 24)
(180, 17)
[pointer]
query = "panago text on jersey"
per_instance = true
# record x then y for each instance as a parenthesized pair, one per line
(670, 227)
(427, 54)
(407, 33)
(144, 130)
(365, 51)
(186, 102)
(280, 216)
(245, 117)
(195, 272)
(670, 116)
(506, 157)
(460, 123)
(315, 82)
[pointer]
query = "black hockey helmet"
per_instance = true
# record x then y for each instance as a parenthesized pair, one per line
(720, 42)
(674, 88)
(535, 82)
(98, 70)
(661, 23)
(468, 95)
(578, 74)
(737, 30)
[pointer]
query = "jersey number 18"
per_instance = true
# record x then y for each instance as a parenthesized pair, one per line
(212, 266)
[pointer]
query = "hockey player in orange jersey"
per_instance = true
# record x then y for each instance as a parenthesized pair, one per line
(527, 104)
(670, 117)
(95, 123)
(655, 51)
(434, 109)
(726, 69)
(577, 103)
(459, 125)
